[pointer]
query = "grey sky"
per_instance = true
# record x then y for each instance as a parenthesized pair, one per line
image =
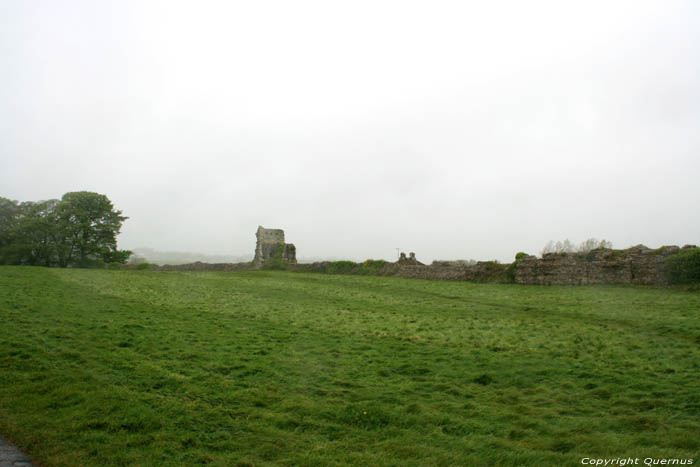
(452, 129)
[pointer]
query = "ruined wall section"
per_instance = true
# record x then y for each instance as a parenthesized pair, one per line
(483, 271)
(270, 243)
(487, 271)
(637, 265)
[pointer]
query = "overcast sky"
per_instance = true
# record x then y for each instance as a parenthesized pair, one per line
(452, 129)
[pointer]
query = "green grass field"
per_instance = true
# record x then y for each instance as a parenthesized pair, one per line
(275, 368)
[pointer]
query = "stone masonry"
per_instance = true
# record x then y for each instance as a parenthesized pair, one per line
(410, 261)
(269, 243)
(10, 456)
(635, 265)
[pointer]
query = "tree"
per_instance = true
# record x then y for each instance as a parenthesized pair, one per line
(593, 244)
(560, 247)
(78, 230)
(9, 212)
(567, 247)
(88, 228)
(34, 233)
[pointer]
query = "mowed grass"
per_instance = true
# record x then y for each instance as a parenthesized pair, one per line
(276, 368)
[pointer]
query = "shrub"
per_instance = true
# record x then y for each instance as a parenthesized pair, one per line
(318, 267)
(341, 267)
(684, 266)
(144, 266)
(510, 272)
(90, 263)
(371, 267)
(520, 255)
(276, 262)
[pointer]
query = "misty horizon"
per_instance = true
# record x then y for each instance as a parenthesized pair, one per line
(453, 130)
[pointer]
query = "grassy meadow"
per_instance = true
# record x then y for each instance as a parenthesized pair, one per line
(262, 368)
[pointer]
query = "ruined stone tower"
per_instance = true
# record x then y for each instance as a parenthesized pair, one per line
(271, 247)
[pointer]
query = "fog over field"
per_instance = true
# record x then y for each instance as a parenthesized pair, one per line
(450, 129)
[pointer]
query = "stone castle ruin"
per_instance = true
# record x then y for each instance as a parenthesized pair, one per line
(410, 261)
(271, 247)
(636, 265)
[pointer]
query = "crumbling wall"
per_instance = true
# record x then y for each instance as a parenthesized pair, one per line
(483, 271)
(636, 265)
(410, 261)
(271, 246)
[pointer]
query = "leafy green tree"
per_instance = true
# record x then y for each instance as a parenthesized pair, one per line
(88, 227)
(34, 234)
(9, 212)
(78, 230)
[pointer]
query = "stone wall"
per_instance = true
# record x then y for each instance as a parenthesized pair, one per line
(410, 260)
(487, 271)
(636, 265)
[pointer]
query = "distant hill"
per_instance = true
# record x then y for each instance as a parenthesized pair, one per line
(151, 255)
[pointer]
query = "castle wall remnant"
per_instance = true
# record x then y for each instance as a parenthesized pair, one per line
(483, 271)
(410, 261)
(635, 265)
(270, 243)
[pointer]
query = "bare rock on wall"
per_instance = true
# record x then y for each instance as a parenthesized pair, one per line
(270, 243)
(410, 261)
(635, 265)
(289, 255)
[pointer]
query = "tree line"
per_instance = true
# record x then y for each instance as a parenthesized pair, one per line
(567, 247)
(79, 230)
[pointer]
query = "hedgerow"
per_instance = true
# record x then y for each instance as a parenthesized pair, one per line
(684, 266)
